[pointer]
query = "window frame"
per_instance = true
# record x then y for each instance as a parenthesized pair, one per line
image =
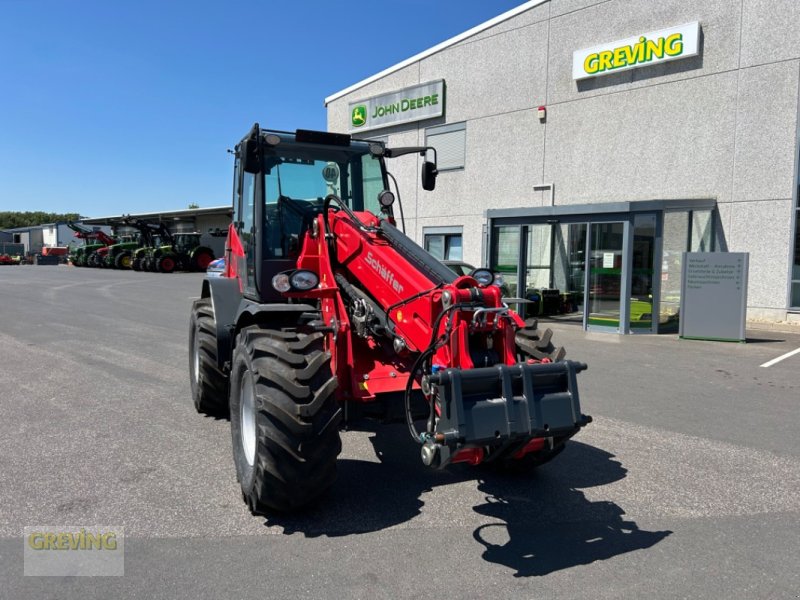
(447, 233)
(438, 130)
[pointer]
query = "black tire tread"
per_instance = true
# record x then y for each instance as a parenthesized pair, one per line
(533, 342)
(211, 393)
(297, 418)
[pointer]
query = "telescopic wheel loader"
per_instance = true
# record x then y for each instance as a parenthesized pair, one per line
(327, 313)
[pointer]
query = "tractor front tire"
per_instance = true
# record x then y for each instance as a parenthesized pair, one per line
(284, 418)
(136, 264)
(537, 344)
(166, 264)
(209, 384)
(123, 261)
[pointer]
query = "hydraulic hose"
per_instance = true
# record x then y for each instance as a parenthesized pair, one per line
(420, 362)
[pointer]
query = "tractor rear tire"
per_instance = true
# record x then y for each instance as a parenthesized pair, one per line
(201, 260)
(136, 264)
(209, 384)
(536, 344)
(284, 418)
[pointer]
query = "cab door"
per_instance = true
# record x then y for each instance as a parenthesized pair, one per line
(244, 198)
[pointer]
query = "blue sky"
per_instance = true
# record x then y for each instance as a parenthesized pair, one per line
(114, 107)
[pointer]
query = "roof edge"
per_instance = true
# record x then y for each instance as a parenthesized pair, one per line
(437, 48)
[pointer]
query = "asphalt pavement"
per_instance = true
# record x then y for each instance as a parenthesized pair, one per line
(686, 485)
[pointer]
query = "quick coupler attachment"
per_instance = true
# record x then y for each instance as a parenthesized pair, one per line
(497, 406)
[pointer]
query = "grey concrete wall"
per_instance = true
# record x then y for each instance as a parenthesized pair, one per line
(722, 125)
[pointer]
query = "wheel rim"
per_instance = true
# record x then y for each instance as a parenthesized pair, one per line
(126, 262)
(203, 260)
(196, 360)
(247, 412)
(167, 264)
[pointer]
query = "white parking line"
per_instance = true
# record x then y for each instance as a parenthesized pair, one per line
(780, 358)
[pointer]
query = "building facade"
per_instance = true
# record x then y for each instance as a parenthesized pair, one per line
(583, 146)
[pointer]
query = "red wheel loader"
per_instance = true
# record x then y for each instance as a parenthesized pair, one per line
(328, 313)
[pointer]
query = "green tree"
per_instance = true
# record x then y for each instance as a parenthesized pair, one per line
(11, 219)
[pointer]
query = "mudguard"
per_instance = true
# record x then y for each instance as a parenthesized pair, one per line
(230, 309)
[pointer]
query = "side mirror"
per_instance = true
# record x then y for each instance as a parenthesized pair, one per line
(429, 173)
(250, 150)
(251, 162)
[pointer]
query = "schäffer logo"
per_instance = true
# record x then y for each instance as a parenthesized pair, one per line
(359, 116)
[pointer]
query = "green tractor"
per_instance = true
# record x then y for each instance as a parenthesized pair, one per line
(86, 255)
(123, 254)
(182, 252)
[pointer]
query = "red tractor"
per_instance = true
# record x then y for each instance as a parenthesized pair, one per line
(328, 313)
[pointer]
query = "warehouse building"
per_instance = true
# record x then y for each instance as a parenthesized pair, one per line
(211, 223)
(36, 237)
(584, 145)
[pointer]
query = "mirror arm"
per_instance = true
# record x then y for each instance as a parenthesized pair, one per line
(395, 152)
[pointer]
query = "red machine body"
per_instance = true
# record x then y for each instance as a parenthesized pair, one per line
(364, 257)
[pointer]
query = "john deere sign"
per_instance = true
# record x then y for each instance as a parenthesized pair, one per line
(638, 51)
(423, 101)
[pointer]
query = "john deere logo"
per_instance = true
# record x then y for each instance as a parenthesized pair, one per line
(359, 116)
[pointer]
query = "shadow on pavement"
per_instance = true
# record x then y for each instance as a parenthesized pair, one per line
(555, 526)
(754, 340)
(547, 523)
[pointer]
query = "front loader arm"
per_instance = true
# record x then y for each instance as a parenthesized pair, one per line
(401, 324)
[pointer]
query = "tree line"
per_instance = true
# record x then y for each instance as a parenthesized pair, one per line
(11, 219)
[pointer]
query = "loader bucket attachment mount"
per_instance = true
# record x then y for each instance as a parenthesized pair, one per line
(503, 404)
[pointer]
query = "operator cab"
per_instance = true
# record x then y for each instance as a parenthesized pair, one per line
(281, 180)
(298, 176)
(184, 242)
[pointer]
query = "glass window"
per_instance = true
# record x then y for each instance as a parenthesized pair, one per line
(641, 301)
(702, 231)
(444, 246)
(676, 242)
(605, 274)
(538, 259)
(450, 142)
(569, 261)
(372, 182)
(297, 182)
(505, 255)
(795, 299)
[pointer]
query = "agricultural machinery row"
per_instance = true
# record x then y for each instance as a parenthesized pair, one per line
(146, 246)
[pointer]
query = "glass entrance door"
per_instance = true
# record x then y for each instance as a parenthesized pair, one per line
(642, 302)
(569, 267)
(604, 284)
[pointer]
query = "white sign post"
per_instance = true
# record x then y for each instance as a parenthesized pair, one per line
(714, 296)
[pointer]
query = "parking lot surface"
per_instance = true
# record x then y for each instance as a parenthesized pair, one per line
(685, 485)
